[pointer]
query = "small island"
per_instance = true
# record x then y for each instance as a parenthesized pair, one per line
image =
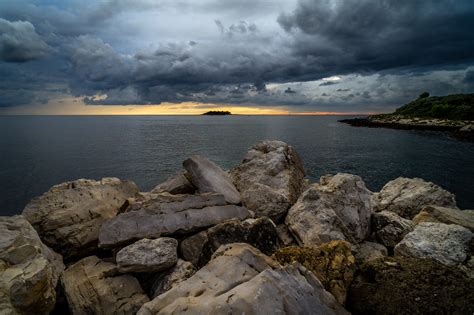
(451, 113)
(217, 113)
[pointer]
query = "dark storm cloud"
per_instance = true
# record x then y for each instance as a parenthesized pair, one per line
(19, 42)
(247, 59)
(364, 35)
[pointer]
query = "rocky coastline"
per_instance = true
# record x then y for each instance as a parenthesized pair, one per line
(460, 129)
(257, 239)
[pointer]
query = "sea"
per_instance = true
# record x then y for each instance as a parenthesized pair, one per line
(37, 152)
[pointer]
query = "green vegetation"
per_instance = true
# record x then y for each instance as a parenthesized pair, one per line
(453, 107)
(217, 113)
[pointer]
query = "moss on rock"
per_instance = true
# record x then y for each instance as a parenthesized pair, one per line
(333, 264)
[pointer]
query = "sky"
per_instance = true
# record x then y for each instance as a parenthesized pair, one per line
(247, 56)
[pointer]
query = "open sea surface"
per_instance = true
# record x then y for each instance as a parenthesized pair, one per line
(37, 152)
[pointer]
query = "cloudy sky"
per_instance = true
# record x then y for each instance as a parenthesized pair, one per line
(251, 56)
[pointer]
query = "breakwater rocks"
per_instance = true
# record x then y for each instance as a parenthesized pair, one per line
(257, 239)
(458, 129)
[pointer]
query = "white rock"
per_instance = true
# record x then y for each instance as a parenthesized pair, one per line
(447, 243)
(339, 207)
(148, 255)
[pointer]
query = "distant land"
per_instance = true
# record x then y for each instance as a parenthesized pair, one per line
(451, 113)
(217, 113)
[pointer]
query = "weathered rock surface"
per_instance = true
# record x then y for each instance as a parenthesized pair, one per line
(339, 207)
(402, 285)
(241, 280)
(260, 233)
(93, 286)
(286, 239)
(406, 196)
(448, 244)
(167, 215)
(368, 251)
(176, 184)
(29, 270)
(270, 178)
(332, 263)
(207, 176)
(168, 279)
(446, 215)
(68, 216)
(390, 228)
(148, 255)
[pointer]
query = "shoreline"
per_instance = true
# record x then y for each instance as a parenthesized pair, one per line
(463, 130)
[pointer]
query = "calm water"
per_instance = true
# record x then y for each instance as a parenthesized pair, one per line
(38, 152)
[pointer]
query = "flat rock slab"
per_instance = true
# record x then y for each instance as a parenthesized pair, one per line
(207, 176)
(179, 215)
(406, 196)
(29, 270)
(337, 208)
(446, 215)
(148, 255)
(68, 216)
(93, 286)
(241, 280)
(270, 178)
(260, 233)
(446, 243)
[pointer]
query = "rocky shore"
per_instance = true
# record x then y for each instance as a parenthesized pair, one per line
(461, 129)
(257, 239)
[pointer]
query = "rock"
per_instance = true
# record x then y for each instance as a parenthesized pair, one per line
(29, 270)
(241, 280)
(446, 215)
(406, 196)
(167, 215)
(339, 207)
(270, 178)
(332, 263)
(176, 184)
(286, 239)
(403, 285)
(68, 216)
(148, 255)
(92, 286)
(390, 228)
(207, 176)
(168, 279)
(260, 233)
(368, 251)
(449, 244)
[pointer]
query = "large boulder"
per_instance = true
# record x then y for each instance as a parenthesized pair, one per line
(446, 215)
(402, 285)
(406, 196)
(168, 279)
(390, 228)
(148, 255)
(207, 176)
(241, 280)
(332, 263)
(167, 215)
(368, 251)
(93, 286)
(29, 270)
(339, 207)
(448, 244)
(176, 184)
(260, 233)
(69, 215)
(270, 178)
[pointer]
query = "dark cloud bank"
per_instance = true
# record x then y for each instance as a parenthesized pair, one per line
(385, 52)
